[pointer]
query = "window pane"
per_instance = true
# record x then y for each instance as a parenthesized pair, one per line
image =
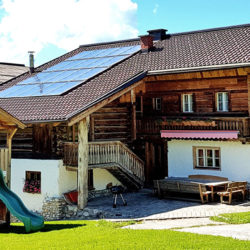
(200, 153)
(209, 162)
(201, 162)
(209, 153)
(217, 153)
(217, 162)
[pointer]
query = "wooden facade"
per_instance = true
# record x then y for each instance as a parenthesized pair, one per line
(131, 117)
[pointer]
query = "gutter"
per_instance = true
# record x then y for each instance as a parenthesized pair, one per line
(194, 69)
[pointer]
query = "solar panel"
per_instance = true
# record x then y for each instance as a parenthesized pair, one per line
(69, 73)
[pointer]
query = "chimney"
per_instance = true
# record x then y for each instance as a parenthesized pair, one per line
(146, 43)
(31, 57)
(158, 34)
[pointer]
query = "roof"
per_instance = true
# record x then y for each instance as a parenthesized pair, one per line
(7, 120)
(11, 70)
(199, 134)
(189, 50)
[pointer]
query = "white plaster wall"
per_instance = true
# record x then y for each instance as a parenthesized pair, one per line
(49, 180)
(101, 177)
(67, 179)
(235, 159)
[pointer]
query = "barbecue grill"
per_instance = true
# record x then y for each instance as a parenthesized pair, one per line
(115, 191)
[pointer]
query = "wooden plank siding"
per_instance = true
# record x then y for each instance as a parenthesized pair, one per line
(203, 90)
(112, 122)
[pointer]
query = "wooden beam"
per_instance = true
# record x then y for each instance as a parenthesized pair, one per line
(92, 128)
(10, 119)
(10, 135)
(248, 88)
(99, 105)
(82, 163)
(74, 133)
(133, 121)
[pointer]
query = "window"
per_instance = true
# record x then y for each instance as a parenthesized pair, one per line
(139, 103)
(32, 182)
(207, 158)
(187, 103)
(222, 101)
(157, 103)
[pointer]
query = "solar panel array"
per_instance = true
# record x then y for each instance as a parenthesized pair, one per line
(69, 73)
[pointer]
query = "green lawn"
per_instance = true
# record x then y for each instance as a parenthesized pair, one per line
(107, 235)
(234, 218)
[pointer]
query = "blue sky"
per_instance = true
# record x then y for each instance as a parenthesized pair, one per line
(66, 24)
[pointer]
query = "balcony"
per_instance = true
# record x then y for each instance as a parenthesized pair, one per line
(154, 125)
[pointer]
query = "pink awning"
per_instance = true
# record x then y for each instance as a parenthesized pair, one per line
(200, 134)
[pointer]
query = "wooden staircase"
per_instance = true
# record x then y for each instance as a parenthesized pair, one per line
(113, 156)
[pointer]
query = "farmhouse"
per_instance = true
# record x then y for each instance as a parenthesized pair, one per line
(131, 111)
(11, 70)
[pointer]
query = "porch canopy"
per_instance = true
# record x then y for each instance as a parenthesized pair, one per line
(200, 134)
(8, 126)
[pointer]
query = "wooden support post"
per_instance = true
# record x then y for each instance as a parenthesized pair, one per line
(245, 127)
(10, 135)
(248, 90)
(73, 133)
(92, 128)
(82, 163)
(147, 159)
(133, 121)
(165, 145)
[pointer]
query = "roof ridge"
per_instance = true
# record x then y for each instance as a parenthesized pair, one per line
(12, 64)
(211, 29)
(110, 42)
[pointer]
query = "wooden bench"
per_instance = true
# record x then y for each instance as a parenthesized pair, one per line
(208, 177)
(165, 187)
(238, 187)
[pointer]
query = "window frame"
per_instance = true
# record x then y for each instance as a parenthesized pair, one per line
(189, 103)
(224, 101)
(205, 158)
(33, 176)
(157, 103)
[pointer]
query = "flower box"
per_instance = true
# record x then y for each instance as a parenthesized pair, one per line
(32, 186)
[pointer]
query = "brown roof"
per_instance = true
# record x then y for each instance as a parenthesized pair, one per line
(11, 70)
(221, 46)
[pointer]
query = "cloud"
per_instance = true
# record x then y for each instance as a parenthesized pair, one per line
(33, 24)
(155, 8)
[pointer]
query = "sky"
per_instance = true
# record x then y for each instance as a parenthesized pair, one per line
(54, 27)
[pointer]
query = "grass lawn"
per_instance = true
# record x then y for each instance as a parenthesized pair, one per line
(234, 218)
(108, 235)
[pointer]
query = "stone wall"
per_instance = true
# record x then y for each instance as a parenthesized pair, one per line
(53, 209)
(57, 209)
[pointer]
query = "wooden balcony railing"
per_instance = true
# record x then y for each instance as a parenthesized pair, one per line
(154, 126)
(105, 153)
(4, 158)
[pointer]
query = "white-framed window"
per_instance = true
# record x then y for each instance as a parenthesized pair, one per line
(206, 157)
(157, 103)
(187, 102)
(222, 101)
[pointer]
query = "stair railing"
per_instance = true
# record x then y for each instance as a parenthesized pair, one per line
(105, 153)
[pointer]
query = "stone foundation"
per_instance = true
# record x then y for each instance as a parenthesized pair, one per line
(57, 209)
(54, 209)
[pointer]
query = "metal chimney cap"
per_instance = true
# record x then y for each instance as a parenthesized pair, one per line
(158, 34)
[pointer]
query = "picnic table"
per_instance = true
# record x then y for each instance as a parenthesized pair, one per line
(203, 187)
